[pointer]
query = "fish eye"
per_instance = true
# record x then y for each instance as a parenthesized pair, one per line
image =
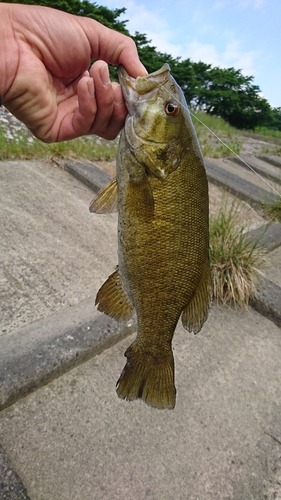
(171, 109)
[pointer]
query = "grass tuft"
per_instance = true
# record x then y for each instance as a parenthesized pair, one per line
(271, 150)
(210, 146)
(236, 262)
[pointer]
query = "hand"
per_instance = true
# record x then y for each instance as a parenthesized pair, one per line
(46, 54)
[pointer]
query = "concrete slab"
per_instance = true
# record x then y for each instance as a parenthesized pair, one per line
(11, 487)
(244, 173)
(267, 236)
(74, 439)
(54, 253)
(274, 160)
(238, 185)
(273, 271)
(268, 300)
(32, 356)
(265, 169)
(92, 176)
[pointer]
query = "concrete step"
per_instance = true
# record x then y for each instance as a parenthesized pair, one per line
(268, 171)
(235, 179)
(273, 160)
(244, 173)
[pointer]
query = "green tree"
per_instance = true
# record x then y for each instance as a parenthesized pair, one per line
(231, 95)
(85, 8)
(276, 123)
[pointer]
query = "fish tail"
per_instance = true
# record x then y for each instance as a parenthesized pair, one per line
(148, 377)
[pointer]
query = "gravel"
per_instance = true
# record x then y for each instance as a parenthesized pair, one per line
(12, 127)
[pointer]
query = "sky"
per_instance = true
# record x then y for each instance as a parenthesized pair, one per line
(244, 34)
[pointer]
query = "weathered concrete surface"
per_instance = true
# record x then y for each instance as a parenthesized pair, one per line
(44, 350)
(265, 169)
(269, 237)
(268, 300)
(242, 183)
(274, 160)
(92, 176)
(273, 272)
(11, 487)
(54, 253)
(74, 439)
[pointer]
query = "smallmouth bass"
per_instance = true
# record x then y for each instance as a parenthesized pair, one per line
(161, 194)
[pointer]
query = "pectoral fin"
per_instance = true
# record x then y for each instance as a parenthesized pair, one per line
(139, 198)
(113, 300)
(196, 312)
(106, 200)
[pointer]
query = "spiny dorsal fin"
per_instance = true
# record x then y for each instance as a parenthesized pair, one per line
(113, 300)
(196, 312)
(106, 200)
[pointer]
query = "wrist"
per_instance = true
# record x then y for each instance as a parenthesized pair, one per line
(9, 58)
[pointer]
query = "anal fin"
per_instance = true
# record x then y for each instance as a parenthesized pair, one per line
(113, 300)
(196, 312)
(106, 200)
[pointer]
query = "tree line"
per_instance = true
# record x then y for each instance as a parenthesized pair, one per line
(223, 92)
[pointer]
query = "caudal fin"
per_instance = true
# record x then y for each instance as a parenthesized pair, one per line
(148, 377)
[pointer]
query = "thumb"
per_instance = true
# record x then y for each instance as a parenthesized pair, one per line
(112, 47)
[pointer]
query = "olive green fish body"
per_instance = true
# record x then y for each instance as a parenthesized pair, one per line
(163, 237)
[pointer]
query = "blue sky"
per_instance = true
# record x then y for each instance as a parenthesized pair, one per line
(244, 34)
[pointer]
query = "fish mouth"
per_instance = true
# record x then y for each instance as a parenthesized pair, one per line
(143, 86)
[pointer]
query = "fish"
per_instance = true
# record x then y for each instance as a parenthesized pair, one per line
(161, 196)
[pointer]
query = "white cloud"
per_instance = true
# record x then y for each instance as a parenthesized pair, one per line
(139, 15)
(161, 41)
(197, 51)
(153, 23)
(256, 4)
(231, 56)
(245, 60)
(148, 21)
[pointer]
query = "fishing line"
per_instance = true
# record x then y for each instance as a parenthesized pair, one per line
(224, 144)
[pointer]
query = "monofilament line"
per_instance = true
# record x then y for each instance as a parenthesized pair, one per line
(224, 144)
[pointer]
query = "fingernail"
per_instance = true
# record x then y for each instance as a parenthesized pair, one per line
(91, 87)
(104, 75)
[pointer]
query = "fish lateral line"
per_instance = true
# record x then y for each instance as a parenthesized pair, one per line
(224, 144)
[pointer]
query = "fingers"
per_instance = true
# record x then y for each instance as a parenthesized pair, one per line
(101, 109)
(86, 111)
(111, 108)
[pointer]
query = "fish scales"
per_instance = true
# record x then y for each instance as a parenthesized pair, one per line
(163, 237)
